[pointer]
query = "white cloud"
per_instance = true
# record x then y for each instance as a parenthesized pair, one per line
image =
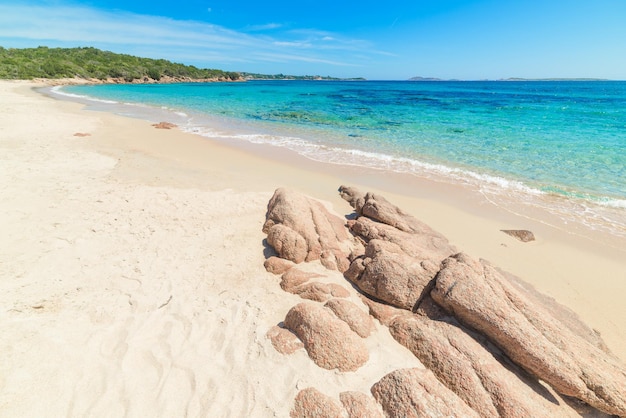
(268, 26)
(83, 24)
(277, 57)
(293, 44)
(194, 42)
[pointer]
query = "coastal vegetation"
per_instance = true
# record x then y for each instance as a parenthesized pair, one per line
(93, 63)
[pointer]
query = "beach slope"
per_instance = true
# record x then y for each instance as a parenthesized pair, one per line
(132, 279)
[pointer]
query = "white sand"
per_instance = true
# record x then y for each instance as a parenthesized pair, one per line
(122, 298)
(132, 279)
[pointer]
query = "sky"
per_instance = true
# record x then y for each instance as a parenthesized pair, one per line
(397, 40)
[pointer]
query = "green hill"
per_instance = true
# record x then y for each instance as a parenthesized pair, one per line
(93, 63)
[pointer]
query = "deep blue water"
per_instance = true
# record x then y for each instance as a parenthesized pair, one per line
(559, 138)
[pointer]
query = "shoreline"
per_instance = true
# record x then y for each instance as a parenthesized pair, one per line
(600, 218)
(472, 215)
(120, 80)
(92, 218)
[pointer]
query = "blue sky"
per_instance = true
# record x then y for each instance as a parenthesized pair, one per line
(464, 39)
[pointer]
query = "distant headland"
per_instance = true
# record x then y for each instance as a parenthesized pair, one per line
(255, 76)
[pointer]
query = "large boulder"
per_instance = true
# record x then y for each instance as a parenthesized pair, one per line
(387, 273)
(481, 298)
(288, 243)
(415, 244)
(401, 255)
(475, 371)
(329, 341)
(301, 229)
(379, 219)
(413, 393)
(376, 207)
(567, 317)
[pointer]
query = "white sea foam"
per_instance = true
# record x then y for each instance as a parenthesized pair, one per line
(375, 160)
(59, 90)
(137, 105)
(613, 203)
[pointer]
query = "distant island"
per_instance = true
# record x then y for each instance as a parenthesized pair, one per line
(509, 79)
(92, 65)
(424, 79)
(552, 79)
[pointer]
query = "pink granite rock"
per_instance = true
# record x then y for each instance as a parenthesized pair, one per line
(329, 341)
(401, 254)
(414, 393)
(389, 274)
(502, 328)
(321, 292)
(379, 209)
(357, 319)
(283, 340)
(277, 265)
(563, 314)
(383, 312)
(289, 244)
(360, 405)
(297, 282)
(415, 244)
(480, 297)
(295, 277)
(164, 125)
(520, 234)
(311, 403)
(477, 372)
(302, 229)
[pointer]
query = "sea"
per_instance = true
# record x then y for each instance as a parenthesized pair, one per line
(554, 146)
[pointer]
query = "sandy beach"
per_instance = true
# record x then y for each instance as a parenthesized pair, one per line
(131, 266)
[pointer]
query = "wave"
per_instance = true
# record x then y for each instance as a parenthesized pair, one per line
(59, 90)
(369, 159)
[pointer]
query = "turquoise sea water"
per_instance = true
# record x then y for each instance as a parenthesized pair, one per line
(559, 144)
